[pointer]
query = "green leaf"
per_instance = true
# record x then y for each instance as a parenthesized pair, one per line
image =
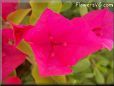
(87, 82)
(82, 75)
(25, 20)
(103, 69)
(37, 9)
(110, 1)
(89, 75)
(59, 79)
(83, 10)
(18, 15)
(22, 5)
(98, 76)
(82, 65)
(102, 59)
(66, 6)
(55, 5)
(110, 78)
(72, 81)
(38, 79)
(24, 73)
(103, 62)
(112, 64)
(25, 48)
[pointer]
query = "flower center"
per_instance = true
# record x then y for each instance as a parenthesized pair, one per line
(65, 44)
(52, 54)
(54, 44)
(98, 31)
(10, 42)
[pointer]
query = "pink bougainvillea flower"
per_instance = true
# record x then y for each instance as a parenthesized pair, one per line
(11, 57)
(91, 43)
(101, 23)
(19, 32)
(12, 80)
(7, 8)
(58, 44)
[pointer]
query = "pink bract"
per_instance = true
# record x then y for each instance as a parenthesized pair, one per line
(101, 23)
(12, 80)
(90, 43)
(58, 44)
(11, 57)
(19, 32)
(7, 8)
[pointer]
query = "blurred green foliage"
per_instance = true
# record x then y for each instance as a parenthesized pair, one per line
(95, 69)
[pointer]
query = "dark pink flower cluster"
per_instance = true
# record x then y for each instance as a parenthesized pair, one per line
(57, 42)
(11, 56)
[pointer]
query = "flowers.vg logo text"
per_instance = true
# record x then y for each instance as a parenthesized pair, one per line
(96, 4)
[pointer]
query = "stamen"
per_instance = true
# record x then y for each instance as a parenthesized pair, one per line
(98, 31)
(51, 37)
(52, 54)
(65, 44)
(10, 42)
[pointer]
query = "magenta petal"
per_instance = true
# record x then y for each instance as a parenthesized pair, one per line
(53, 21)
(107, 44)
(12, 80)
(101, 23)
(87, 43)
(11, 57)
(7, 35)
(49, 66)
(59, 43)
(39, 38)
(19, 32)
(7, 8)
